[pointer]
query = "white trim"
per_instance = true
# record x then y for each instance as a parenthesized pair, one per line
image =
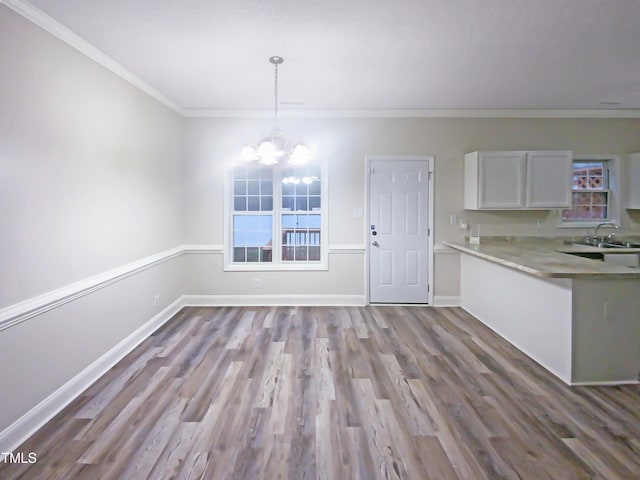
(19, 312)
(333, 248)
(34, 306)
(16, 433)
(408, 305)
(347, 248)
(280, 300)
(55, 28)
(277, 267)
(604, 384)
(204, 248)
(446, 301)
(430, 159)
(412, 113)
(277, 264)
(615, 192)
(582, 225)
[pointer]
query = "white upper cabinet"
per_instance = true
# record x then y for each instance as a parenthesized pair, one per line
(633, 181)
(494, 180)
(517, 180)
(549, 177)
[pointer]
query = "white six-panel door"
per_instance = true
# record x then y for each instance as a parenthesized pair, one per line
(398, 231)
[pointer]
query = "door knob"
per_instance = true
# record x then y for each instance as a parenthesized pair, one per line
(375, 244)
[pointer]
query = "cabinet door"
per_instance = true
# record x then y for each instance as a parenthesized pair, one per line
(633, 181)
(501, 180)
(549, 179)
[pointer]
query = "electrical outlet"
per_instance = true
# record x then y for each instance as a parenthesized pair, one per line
(463, 224)
(256, 283)
(156, 299)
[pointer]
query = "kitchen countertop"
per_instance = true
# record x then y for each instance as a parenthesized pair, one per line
(548, 257)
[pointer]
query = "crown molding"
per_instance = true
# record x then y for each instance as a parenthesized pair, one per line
(413, 113)
(55, 28)
(47, 23)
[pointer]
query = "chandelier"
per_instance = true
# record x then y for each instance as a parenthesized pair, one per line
(274, 146)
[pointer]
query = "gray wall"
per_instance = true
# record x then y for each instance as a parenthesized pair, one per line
(212, 145)
(90, 179)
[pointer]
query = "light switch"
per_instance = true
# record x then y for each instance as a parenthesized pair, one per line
(358, 213)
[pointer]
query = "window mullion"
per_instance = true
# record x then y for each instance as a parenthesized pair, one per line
(277, 216)
(307, 213)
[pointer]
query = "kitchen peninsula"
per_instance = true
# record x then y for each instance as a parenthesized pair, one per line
(577, 317)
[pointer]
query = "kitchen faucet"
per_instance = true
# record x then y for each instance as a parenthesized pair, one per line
(605, 224)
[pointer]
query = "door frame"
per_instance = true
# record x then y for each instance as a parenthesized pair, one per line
(430, 159)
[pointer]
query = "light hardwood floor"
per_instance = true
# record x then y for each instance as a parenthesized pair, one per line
(335, 393)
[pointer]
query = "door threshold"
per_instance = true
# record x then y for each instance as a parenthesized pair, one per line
(384, 304)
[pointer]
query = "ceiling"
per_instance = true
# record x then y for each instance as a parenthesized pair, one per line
(371, 54)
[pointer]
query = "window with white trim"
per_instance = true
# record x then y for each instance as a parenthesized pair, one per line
(277, 218)
(252, 217)
(593, 190)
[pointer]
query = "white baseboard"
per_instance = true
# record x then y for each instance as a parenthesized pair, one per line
(284, 300)
(605, 384)
(20, 430)
(446, 301)
(38, 305)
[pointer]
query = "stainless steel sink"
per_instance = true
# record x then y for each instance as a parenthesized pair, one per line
(590, 255)
(631, 244)
(609, 243)
(631, 260)
(597, 244)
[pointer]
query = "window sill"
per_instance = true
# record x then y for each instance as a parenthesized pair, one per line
(299, 267)
(589, 224)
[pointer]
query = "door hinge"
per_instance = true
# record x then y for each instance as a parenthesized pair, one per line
(372, 171)
(430, 173)
(428, 232)
(428, 288)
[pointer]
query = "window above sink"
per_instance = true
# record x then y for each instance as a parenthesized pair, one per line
(595, 191)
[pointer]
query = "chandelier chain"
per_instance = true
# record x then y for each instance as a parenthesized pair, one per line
(275, 92)
(275, 145)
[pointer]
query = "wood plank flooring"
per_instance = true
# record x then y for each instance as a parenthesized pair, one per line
(335, 393)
